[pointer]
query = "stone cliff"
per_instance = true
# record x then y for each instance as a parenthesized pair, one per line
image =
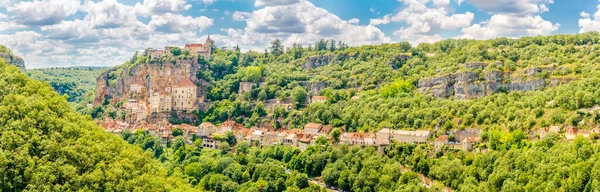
(156, 76)
(13, 60)
(473, 84)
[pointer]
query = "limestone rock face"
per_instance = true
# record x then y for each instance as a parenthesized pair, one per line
(469, 85)
(13, 60)
(156, 76)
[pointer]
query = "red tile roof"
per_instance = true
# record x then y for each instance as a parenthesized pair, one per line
(442, 138)
(193, 45)
(313, 126)
(186, 83)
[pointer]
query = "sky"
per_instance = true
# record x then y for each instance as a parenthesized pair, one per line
(59, 33)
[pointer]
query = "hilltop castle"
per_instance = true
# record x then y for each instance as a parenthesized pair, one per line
(197, 49)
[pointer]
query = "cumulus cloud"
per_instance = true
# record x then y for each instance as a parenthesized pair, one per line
(259, 3)
(153, 7)
(511, 18)
(423, 22)
(588, 23)
(172, 23)
(240, 16)
(354, 21)
(303, 22)
(510, 26)
(520, 7)
(40, 13)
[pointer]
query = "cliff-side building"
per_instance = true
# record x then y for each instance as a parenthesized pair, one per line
(184, 95)
(199, 49)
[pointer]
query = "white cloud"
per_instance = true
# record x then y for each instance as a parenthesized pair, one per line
(240, 16)
(588, 23)
(583, 14)
(501, 25)
(153, 7)
(354, 21)
(208, 2)
(260, 3)
(40, 13)
(172, 23)
(109, 14)
(511, 18)
(519, 7)
(423, 23)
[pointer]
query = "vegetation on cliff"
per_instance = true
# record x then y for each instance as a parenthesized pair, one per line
(46, 146)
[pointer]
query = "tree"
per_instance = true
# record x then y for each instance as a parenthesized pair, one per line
(176, 51)
(299, 95)
(177, 132)
(301, 181)
(335, 134)
(276, 47)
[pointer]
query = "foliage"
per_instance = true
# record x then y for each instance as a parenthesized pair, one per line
(45, 146)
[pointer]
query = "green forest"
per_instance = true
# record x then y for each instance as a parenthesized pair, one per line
(77, 83)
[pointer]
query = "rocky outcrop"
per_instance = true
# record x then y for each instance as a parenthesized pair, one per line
(13, 60)
(468, 85)
(157, 76)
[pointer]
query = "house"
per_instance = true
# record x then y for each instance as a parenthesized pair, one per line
(313, 128)
(584, 133)
(226, 126)
(467, 143)
(184, 95)
(418, 136)
(318, 99)
(286, 104)
(161, 102)
(209, 142)
(571, 133)
(440, 141)
(356, 138)
(554, 129)
(206, 129)
(326, 130)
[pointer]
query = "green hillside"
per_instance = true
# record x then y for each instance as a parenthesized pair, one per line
(386, 79)
(46, 146)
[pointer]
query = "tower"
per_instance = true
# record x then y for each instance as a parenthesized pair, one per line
(208, 45)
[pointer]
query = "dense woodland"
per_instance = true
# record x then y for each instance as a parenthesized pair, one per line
(77, 83)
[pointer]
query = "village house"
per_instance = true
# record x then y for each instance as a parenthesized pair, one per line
(467, 143)
(313, 128)
(318, 99)
(418, 136)
(554, 129)
(355, 138)
(209, 142)
(206, 129)
(440, 141)
(161, 102)
(226, 126)
(184, 95)
(584, 133)
(571, 133)
(325, 130)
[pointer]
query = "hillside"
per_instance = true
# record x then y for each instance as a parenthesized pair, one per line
(8, 56)
(77, 83)
(501, 84)
(46, 146)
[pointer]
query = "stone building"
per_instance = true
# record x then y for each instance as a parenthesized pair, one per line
(160, 102)
(184, 95)
(199, 49)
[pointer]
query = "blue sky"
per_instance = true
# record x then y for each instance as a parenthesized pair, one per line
(53, 33)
